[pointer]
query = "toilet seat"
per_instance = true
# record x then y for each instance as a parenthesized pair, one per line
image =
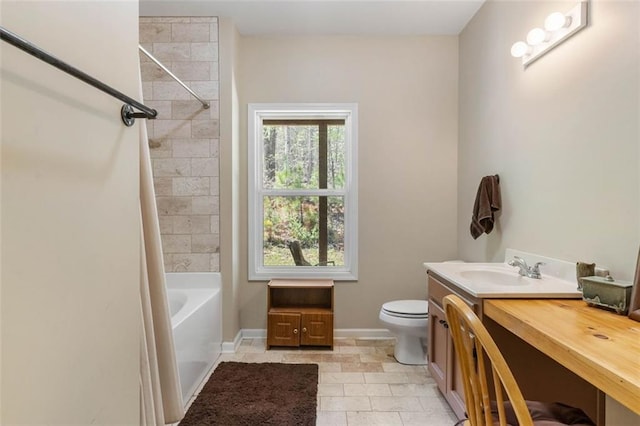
(418, 309)
(408, 321)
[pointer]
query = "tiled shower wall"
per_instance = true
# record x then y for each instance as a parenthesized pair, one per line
(183, 140)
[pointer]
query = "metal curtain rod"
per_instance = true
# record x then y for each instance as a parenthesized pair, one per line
(126, 112)
(204, 103)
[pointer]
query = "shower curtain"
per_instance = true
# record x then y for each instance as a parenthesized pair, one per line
(160, 394)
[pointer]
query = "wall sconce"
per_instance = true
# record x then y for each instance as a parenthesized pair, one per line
(557, 28)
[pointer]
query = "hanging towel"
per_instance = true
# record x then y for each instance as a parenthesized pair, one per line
(488, 201)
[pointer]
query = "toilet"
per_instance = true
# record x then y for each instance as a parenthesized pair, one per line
(407, 320)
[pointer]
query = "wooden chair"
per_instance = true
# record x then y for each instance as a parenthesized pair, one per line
(298, 257)
(476, 349)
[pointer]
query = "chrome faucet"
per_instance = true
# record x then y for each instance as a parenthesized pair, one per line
(525, 270)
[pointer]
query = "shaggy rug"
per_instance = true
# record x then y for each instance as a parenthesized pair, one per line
(257, 394)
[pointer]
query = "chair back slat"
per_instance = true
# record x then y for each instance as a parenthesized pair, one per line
(499, 397)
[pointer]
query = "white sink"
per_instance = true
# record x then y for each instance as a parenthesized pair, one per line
(487, 276)
(501, 280)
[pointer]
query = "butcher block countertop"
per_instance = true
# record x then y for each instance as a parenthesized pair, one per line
(599, 346)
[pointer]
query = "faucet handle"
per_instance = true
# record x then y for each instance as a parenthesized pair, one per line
(536, 267)
(534, 271)
(521, 260)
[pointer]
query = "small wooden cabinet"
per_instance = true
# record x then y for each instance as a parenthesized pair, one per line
(443, 361)
(300, 313)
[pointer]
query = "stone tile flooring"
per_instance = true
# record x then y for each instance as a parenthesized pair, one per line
(360, 383)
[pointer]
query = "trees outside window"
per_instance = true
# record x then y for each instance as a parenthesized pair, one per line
(302, 191)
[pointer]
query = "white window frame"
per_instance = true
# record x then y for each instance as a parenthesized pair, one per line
(257, 112)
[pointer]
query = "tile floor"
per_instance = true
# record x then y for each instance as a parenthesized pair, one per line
(360, 383)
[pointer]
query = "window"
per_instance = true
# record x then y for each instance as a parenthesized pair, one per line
(303, 200)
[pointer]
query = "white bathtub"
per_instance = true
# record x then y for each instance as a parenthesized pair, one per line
(196, 318)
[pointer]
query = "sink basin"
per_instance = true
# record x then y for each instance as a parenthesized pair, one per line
(503, 281)
(495, 277)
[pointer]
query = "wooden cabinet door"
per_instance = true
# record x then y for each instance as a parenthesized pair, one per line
(438, 345)
(317, 329)
(283, 329)
(455, 382)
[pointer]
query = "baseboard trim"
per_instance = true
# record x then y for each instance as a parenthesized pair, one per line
(342, 333)
(254, 333)
(232, 347)
(362, 333)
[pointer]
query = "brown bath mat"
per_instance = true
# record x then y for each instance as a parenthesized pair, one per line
(251, 394)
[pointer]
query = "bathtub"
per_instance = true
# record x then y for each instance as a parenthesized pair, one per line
(196, 319)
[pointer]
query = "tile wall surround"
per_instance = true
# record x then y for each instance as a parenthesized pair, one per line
(184, 139)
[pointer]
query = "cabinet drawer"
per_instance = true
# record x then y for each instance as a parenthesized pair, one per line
(437, 291)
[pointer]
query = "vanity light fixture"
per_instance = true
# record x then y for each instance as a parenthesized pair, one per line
(557, 28)
(519, 49)
(556, 20)
(537, 36)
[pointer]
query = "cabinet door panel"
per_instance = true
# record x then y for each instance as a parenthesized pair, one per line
(317, 329)
(283, 329)
(438, 343)
(456, 382)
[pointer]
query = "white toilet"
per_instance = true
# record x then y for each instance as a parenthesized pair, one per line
(407, 320)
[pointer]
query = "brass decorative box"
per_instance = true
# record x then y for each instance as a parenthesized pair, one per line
(605, 292)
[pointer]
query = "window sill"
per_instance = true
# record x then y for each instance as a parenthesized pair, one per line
(303, 272)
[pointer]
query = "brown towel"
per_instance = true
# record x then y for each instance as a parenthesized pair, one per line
(488, 201)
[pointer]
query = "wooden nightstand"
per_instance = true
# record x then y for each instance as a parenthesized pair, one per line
(300, 313)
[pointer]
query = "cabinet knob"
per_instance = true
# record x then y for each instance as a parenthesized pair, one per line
(295, 331)
(304, 329)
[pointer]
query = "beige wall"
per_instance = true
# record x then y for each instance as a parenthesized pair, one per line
(562, 134)
(183, 141)
(406, 91)
(229, 179)
(70, 218)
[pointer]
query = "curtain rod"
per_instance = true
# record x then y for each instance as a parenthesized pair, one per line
(127, 113)
(204, 103)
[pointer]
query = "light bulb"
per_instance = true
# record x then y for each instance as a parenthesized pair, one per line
(556, 20)
(537, 36)
(519, 49)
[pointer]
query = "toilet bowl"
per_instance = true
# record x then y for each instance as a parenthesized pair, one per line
(407, 320)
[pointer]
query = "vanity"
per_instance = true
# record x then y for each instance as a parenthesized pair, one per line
(443, 364)
(541, 329)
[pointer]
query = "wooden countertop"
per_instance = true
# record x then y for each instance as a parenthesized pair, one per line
(599, 346)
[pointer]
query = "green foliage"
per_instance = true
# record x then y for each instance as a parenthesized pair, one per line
(292, 156)
(291, 218)
(291, 161)
(290, 178)
(277, 255)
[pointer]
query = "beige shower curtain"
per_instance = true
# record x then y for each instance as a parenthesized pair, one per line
(160, 394)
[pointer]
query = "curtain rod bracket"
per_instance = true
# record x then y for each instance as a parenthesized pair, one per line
(129, 115)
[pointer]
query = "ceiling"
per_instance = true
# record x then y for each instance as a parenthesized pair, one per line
(328, 17)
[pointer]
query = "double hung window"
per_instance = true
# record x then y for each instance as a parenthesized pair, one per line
(302, 191)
